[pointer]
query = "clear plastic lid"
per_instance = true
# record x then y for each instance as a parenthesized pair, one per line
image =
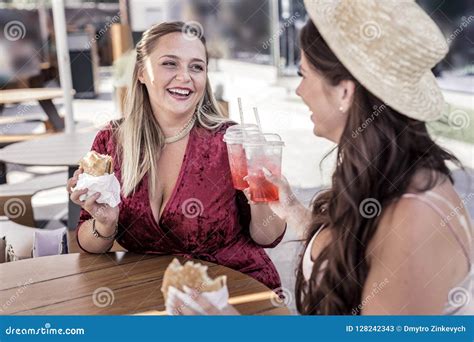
(272, 139)
(239, 133)
(240, 128)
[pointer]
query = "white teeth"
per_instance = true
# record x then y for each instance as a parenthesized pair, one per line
(180, 91)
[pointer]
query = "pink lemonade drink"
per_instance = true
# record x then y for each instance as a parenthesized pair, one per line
(234, 138)
(262, 190)
(263, 154)
(238, 165)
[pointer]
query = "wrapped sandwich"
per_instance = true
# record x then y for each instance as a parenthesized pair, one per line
(98, 176)
(194, 276)
(96, 164)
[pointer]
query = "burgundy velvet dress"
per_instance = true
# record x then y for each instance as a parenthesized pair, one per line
(205, 217)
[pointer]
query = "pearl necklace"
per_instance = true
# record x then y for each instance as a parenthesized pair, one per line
(183, 132)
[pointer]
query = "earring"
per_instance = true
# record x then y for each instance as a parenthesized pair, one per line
(341, 109)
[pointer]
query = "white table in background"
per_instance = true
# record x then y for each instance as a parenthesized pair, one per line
(63, 149)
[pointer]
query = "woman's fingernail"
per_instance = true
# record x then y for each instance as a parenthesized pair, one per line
(266, 172)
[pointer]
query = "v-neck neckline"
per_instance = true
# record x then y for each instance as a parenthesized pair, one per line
(175, 188)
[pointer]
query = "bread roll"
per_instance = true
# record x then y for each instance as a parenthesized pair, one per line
(96, 164)
(192, 275)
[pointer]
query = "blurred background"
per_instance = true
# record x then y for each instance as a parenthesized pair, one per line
(254, 53)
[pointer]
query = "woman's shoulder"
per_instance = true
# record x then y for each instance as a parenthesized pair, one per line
(106, 137)
(412, 246)
(110, 129)
(418, 214)
(418, 222)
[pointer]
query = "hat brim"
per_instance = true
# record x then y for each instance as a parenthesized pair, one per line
(421, 101)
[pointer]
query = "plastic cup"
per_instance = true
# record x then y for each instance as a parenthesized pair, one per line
(263, 154)
(234, 138)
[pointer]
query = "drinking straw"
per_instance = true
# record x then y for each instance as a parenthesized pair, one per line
(257, 118)
(241, 111)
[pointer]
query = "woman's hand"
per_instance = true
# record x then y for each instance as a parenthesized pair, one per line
(287, 201)
(194, 304)
(289, 209)
(104, 214)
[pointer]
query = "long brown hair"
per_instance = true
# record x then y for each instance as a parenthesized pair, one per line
(377, 156)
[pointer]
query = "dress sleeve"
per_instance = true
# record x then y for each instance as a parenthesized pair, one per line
(245, 217)
(100, 146)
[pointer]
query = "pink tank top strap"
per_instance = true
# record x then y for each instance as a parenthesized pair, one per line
(437, 209)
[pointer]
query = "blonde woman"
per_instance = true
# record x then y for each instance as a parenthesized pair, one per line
(177, 193)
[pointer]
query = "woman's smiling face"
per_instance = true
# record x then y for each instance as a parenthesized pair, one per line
(324, 101)
(175, 74)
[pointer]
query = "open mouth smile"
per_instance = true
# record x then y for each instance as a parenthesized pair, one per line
(180, 93)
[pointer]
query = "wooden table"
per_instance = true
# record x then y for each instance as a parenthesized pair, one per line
(63, 149)
(44, 96)
(124, 284)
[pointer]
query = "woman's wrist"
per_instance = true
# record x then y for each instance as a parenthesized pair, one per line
(298, 215)
(104, 230)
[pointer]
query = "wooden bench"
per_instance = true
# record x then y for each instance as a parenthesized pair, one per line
(15, 199)
(44, 96)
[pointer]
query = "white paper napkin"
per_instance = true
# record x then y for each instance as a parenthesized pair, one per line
(219, 299)
(107, 185)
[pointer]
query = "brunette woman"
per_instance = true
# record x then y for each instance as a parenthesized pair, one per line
(390, 235)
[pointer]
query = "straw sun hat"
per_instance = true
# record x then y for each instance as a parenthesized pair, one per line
(389, 46)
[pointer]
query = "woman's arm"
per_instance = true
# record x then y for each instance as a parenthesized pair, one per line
(91, 244)
(265, 225)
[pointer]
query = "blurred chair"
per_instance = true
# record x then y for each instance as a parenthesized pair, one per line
(22, 242)
(15, 199)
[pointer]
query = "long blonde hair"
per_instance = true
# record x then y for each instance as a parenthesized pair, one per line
(139, 137)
